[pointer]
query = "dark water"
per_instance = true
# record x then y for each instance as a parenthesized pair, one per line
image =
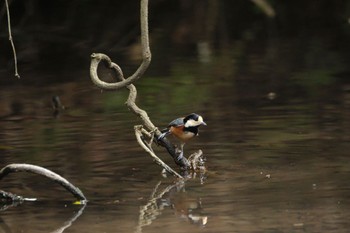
(277, 144)
(273, 165)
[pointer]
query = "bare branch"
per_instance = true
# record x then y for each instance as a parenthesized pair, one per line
(11, 40)
(43, 172)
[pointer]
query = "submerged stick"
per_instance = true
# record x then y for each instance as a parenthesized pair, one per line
(6, 197)
(17, 167)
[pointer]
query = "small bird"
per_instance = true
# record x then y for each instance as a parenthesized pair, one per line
(184, 128)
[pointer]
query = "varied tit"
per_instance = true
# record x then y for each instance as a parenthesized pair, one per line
(184, 128)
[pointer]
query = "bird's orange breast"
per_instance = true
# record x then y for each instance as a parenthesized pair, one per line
(178, 131)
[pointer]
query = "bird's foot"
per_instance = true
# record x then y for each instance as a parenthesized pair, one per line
(179, 153)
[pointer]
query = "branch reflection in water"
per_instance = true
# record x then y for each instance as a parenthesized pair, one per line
(68, 223)
(61, 229)
(175, 197)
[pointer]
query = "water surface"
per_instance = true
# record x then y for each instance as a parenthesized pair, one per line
(271, 167)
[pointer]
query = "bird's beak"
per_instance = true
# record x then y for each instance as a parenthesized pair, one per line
(203, 123)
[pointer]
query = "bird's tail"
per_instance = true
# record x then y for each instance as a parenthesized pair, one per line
(165, 132)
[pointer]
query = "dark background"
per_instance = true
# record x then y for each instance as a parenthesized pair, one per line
(54, 37)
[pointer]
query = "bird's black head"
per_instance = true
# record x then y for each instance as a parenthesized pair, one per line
(193, 120)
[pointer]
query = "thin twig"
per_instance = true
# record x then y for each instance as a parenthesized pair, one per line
(11, 40)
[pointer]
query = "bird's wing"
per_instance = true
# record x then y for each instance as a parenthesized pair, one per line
(177, 122)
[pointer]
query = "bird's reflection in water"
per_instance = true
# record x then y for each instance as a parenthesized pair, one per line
(173, 196)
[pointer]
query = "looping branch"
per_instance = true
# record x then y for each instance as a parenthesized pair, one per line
(146, 57)
(96, 58)
(148, 130)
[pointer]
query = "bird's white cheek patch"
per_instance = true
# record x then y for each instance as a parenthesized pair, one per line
(192, 123)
